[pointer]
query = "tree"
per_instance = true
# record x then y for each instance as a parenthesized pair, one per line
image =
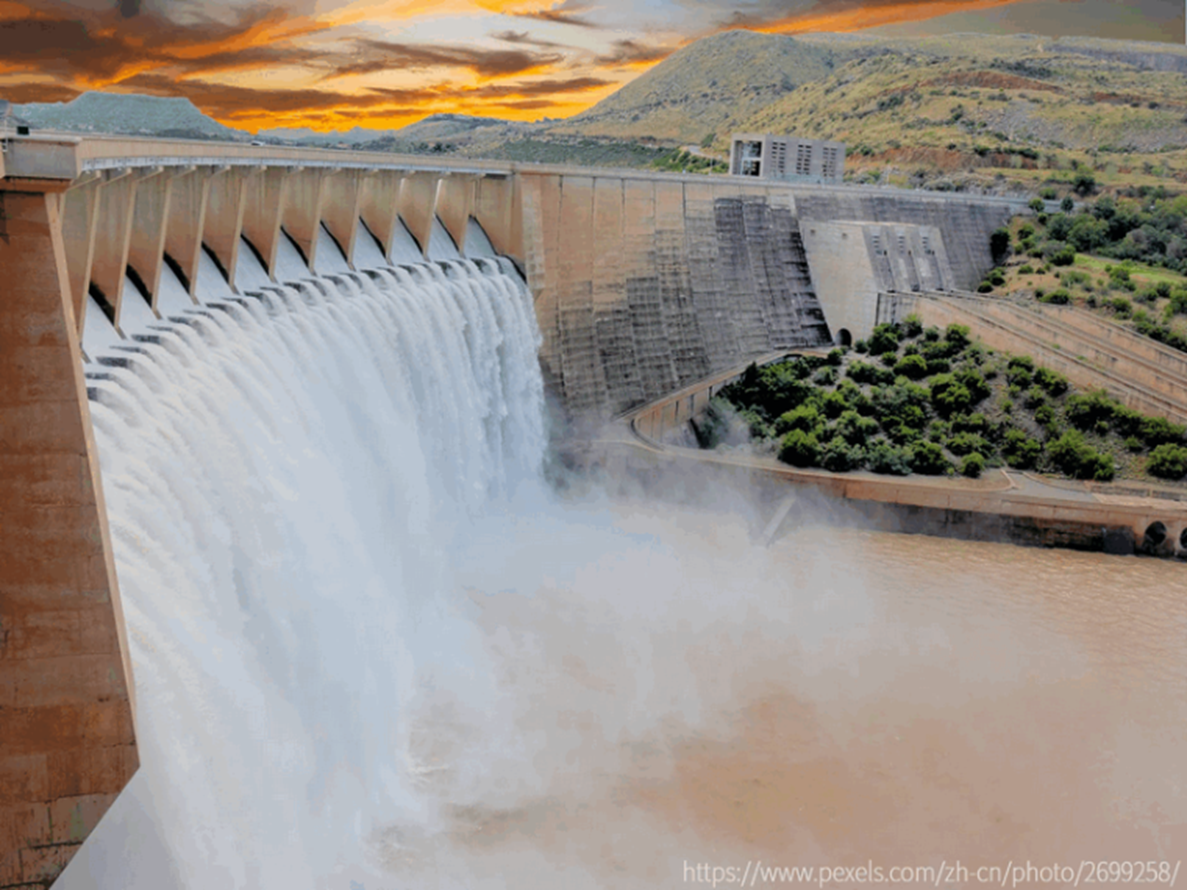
(1084, 183)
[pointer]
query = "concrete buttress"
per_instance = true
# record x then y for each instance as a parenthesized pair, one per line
(67, 740)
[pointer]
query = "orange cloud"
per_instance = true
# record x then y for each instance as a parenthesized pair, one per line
(856, 18)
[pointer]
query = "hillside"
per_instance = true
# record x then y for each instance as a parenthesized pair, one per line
(706, 87)
(939, 109)
(130, 114)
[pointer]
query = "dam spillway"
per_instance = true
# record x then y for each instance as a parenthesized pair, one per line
(283, 471)
(638, 281)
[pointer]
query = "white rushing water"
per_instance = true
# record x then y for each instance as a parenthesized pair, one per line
(285, 474)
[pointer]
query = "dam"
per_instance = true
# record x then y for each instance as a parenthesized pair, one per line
(128, 263)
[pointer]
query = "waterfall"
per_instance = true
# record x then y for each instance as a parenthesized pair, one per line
(285, 475)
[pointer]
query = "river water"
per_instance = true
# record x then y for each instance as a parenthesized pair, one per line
(842, 699)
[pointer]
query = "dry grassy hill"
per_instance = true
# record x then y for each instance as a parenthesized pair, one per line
(960, 111)
(706, 88)
(965, 104)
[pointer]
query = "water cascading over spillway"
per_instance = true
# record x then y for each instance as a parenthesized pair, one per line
(284, 475)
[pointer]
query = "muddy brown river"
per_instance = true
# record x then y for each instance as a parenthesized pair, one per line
(683, 708)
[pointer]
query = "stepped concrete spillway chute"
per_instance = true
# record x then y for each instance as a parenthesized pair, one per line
(641, 283)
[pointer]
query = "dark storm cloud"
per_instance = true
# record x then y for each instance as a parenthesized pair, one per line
(129, 8)
(229, 102)
(523, 38)
(557, 17)
(632, 52)
(97, 47)
(381, 55)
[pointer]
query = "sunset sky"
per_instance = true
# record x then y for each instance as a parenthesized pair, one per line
(334, 64)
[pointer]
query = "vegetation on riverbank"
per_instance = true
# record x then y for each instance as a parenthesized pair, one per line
(915, 400)
(1124, 258)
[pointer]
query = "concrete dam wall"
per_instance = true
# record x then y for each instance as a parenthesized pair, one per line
(642, 283)
(646, 284)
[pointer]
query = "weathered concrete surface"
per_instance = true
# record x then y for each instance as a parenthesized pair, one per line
(644, 285)
(67, 744)
(964, 222)
(852, 262)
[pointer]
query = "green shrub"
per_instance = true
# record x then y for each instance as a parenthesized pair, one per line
(1084, 184)
(1026, 269)
(867, 373)
(1127, 421)
(1168, 461)
(826, 376)
(1121, 306)
(1019, 370)
(883, 457)
(931, 334)
(838, 456)
(912, 326)
(861, 347)
(913, 367)
(928, 458)
(967, 443)
(1160, 431)
(972, 466)
(884, 339)
(889, 359)
(1052, 381)
(996, 277)
(1134, 444)
(805, 418)
(856, 429)
(834, 404)
(1072, 456)
(1044, 415)
(1020, 451)
(800, 449)
(974, 382)
(1035, 396)
(1086, 410)
(1036, 204)
(1064, 256)
(835, 357)
(949, 396)
(984, 287)
(1057, 297)
(957, 337)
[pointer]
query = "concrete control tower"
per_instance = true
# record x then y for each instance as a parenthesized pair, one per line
(787, 158)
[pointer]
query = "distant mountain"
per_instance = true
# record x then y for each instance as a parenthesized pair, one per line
(127, 114)
(710, 85)
(459, 126)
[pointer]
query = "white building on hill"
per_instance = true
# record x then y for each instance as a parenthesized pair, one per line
(787, 157)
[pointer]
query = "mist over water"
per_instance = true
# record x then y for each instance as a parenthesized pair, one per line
(373, 650)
